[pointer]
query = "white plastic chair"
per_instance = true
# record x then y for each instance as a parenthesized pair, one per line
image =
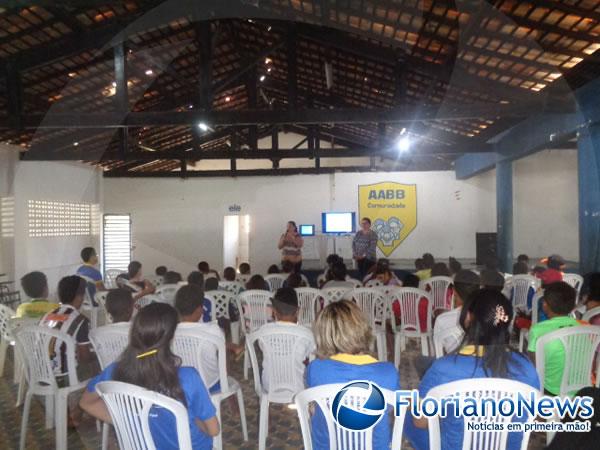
(574, 280)
(243, 279)
(356, 283)
(167, 292)
(341, 438)
(255, 311)
(275, 281)
(100, 298)
(410, 325)
(145, 301)
(234, 287)
(523, 332)
(6, 338)
(334, 294)
(373, 282)
(519, 286)
(14, 326)
(220, 309)
(130, 406)
(438, 288)
(307, 304)
(439, 338)
(372, 302)
(192, 345)
(497, 388)
(33, 344)
(110, 278)
(589, 315)
(580, 344)
(283, 378)
(156, 280)
(88, 304)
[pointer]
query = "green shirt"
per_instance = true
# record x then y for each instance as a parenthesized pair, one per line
(35, 309)
(554, 352)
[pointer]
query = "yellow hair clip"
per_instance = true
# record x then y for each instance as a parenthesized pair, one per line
(148, 353)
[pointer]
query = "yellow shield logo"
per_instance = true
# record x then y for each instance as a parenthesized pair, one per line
(392, 208)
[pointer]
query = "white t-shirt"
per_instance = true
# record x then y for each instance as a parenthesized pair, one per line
(305, 346)
(446, 321)
(208, 357)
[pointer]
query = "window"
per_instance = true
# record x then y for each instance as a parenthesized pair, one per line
(7, 217)
(51, 219)
(116, 241)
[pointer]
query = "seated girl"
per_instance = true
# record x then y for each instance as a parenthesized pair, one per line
(343, 337)
(484, 352)
(149, 362)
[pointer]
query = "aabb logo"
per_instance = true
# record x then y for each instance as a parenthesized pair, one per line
(350, 409)
(386, 194)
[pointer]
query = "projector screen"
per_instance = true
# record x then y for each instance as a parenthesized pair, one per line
(307, 230)
(338, 222)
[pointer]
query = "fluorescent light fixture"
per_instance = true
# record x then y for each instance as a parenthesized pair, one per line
(262, 78)
(403, 144)
(203, 126)
(149, 72)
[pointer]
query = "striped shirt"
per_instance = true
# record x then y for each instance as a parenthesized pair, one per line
(291, 250)
(365, 244)
(68, 319)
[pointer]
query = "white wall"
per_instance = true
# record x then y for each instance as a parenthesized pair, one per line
(546, 204)
(180, 222)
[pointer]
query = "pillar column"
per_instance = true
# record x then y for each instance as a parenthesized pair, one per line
(504, 214)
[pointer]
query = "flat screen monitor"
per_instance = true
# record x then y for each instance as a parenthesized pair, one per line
(338, 222)
(307, 230)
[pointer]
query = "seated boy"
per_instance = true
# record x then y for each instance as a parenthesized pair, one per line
(35, 286)
(89, 271)
(229, 274)
(558, 302)
(285, 310)
(119, 304)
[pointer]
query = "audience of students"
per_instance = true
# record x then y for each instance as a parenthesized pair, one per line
(558, 302)
(35, 286)
(149, 362)
(484, 352)
(343, 337)
(338, 277)
(172, 277)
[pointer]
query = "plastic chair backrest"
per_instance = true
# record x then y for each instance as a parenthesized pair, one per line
(191, 344)
(438, 288)
(220, 303)
(275, 281)
(147, 300)
(255, 309)
(243, 278)
(590, 314)
(130, 406)
(535, 310)
(574, 280)
(109, 342)
(231, 286)
(100, 298)
(167, 292)
(520, 285)
(341, 438)
(5, 316)
(334, 294)
(372, 303)
(580, 344)
(281, 371)
(34, 344)
(409, 299)
(110, 278)
(307, 304)
(496, 388)
(355, 282)
(373, 282)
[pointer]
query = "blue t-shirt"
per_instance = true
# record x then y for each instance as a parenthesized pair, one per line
(207, 310)
(459, 367)
(162, 423)
(327, 371)
(94, 274)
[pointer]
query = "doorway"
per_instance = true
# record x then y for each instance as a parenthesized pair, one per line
(236, 240)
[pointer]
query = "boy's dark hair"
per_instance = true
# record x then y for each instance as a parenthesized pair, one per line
(287, 266)
(332, 259)
(294, 280)
(560, 298)
(428, 260)
(492, 279)
(419, 264)
(454, 265)
(87, 253)
(35, 284)
(171, 277)
(285, 301)
(410, 280)
(188, 298)
(465, 283)
(211, 284)
(71, 287)
(229, 274)
(133, 268)
(196, 277)
(257, 282)
(523, 258)
(161, 271)
(273, 268)
(440, 269)
(520, 268)
(119, 304)
(339, 271)
(203, 267)
(244, 268)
